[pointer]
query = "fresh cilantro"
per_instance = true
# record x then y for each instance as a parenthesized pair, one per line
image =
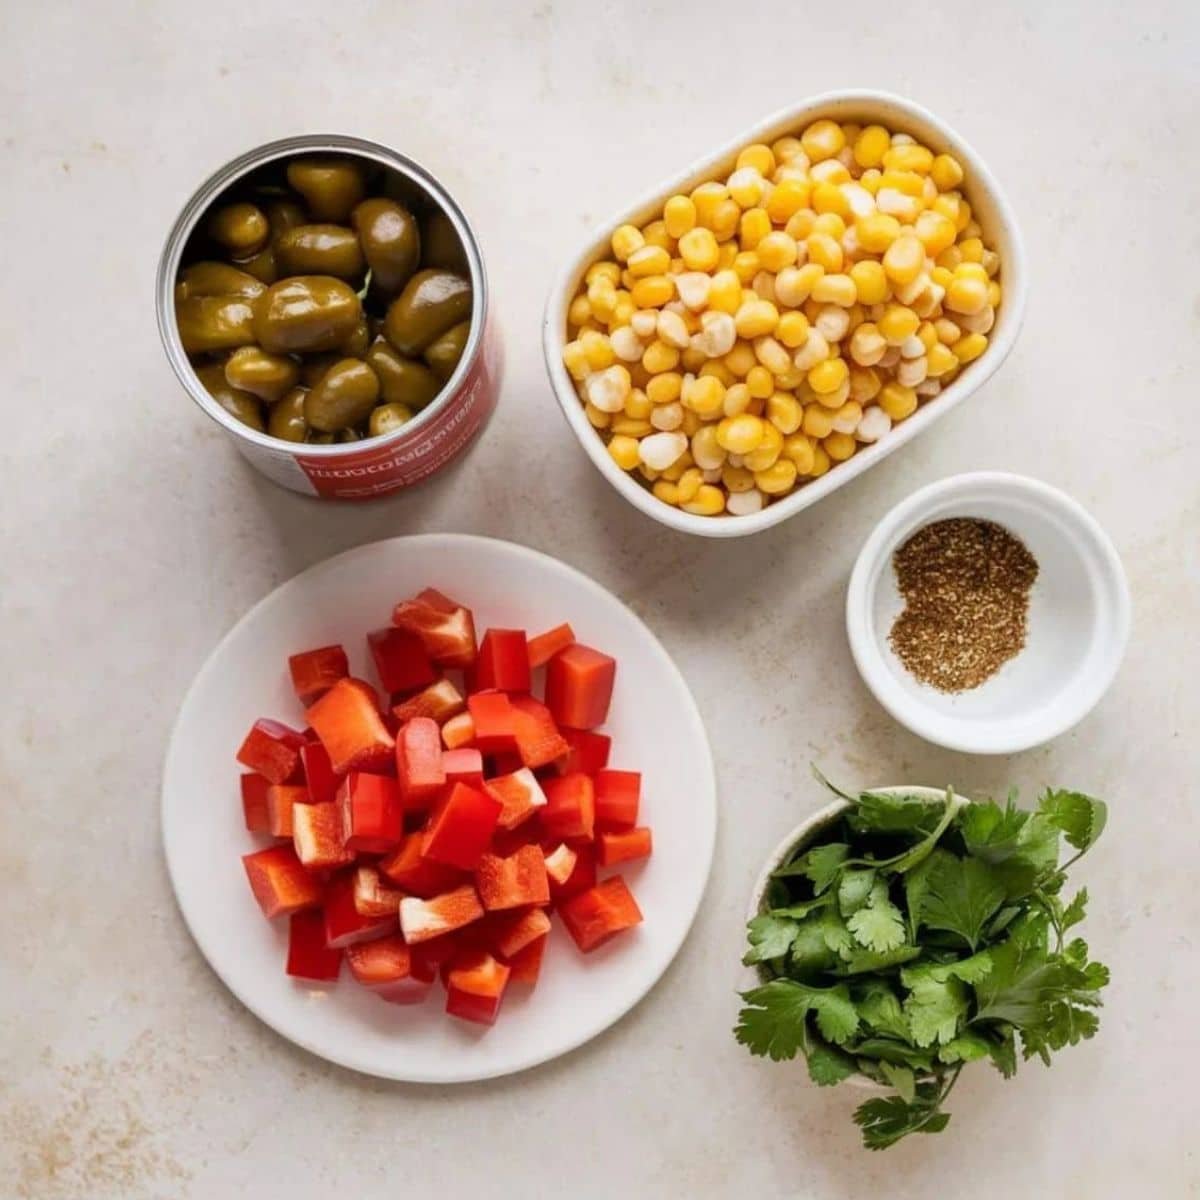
(885, 1121)
(853, 889)
(934, 1009)
(770, 936)
(875, 813)
(879, 1008)
(820, 865)
(902, 1079)
(773, 1021)
(878, 925)
(827, 1065)
(961, 894)
(860, 962)
(1081, 818)
(1076, 910)
(967, 1047)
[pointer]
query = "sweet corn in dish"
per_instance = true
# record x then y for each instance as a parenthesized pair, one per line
(765, 327)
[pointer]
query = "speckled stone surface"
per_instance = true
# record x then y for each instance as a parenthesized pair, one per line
(132, 537)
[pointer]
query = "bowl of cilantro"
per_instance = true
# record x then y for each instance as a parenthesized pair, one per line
(897, 935)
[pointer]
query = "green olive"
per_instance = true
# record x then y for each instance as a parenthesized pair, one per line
(209, 323)
(284, 214)
(268, 376)
(432, 301)
(344, 396)
(348, 435)
(286, 421)
(402, 380)
(305, 313)
(443, 353)
(320, 250)
(241, 228)
(314, 366)
(331, 187)
(387, 418)
(355, 346)
(210, 278)
(237, 403)
(262, 266)
(441, 246)
(390, 240)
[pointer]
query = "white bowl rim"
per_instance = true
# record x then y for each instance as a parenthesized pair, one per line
(982, 737)
(1015, 269)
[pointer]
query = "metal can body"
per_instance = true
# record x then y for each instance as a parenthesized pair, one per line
(377, 466)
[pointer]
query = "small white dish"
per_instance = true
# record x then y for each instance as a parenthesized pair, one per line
(989, 205)
(655, 727)
(1079, 617)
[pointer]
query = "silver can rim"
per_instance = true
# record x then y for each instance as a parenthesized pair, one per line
(214, 185)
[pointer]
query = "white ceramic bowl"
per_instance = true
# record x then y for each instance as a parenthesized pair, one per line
(1079, 615)
(988, 205)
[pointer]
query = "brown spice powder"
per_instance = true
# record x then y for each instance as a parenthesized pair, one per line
(965, 584)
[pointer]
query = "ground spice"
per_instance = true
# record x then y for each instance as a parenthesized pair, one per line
(965, 584)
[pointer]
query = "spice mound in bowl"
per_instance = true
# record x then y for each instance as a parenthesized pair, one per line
(988, 613)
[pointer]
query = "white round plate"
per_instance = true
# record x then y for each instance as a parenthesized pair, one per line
(655, 727)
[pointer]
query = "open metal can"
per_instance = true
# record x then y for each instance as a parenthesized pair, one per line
(379, 465)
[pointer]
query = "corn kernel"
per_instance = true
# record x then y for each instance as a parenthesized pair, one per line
(793, 285)
(940, 359)
(828, 376)
(784, 411)
(689, 484)
(664, 388)
(659, 357)
(966, 295)
(946, 172)
(707, 452)
(767, 451)
(736, 479)
(831, 224)
(603, 270)
(846, 419)
(835, 289)
(724, 221)
(799, 449)
(755, 318)
(822, 139)
(871, 145)
(870, 282)
(947, 330)
(818, 421)
(656, 235)
(800, 224)
(773, 356)
(693, 358)
(760, 381)
(778, 478)
(707, 502)
(704, 394)
(969, 348)
(833, 321)
(698, 249)
(753, 227)
(908, 157)
(706, 197)
(575, 359)
(897, 323)
(792, 329)
(776, 251)
(994, 293)
(821, 462)
(786, 149)
(839, 446)
(718, 370)
(870, 178)
(692, 422)
(824, 251)
(579, 311)
(867, 345)
(679, 216)
(737, 400)
(648, 260)
(740, 434)
(625, 240)
(904, 259)
(630, 426)
(637, 404)
(815, 350)
(786, 199)
(971, 249)
(829, 198)
(935, 231)
(653, 292)
(740, 359)
(665, 491)
(897, 401)
(865, 384)
(598, 350)
(596, 417)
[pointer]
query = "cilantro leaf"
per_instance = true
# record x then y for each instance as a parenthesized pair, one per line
(881, 1050)
(916, 885)
(811, 952)
(879, 924)
(773, 1021)
(989, 831)
(968, 970)
(934, 1009)
(876, 813)
(770, 936)
(1076, 910)
(879, 1008)
(860, 962)
(853, 889)
(885, 1121)
(802, 909)
(961, 894)
(1004, 1051)
(828, 1065)
(1080, 817)
(820, 865)
(967, 1047)
(902, 1079)
(835, 934)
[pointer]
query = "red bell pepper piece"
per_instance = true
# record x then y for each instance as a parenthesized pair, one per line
(419, 769)
(598, 914)
(458, 731)
(254, 803)
(373, 897)
(461, 828)
(348, 722)
(344, 924)
(440, 700)
(400, 659)
(623, 845)
(570, 812)
(503, 661)
(588, 751)
(494, 720)
(581, 878)
(308, 956)
(314, 672)
(463, 766)
(280, 882)
(539, 742)
(319, 778)
(510, 933)
(560, 864)
(520, 796)
(526, 965)
(410, 871)
(579, 686)
(475, 986)
(512, 882)
(423, 920)
(317, 836)
(546, 645)
(446, 629)
(281, 798)
(370, 812)
(617, 796)
(503, 763)
(272, 749)
(388, 968)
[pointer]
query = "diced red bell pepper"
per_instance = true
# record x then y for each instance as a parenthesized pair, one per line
(526, 965)
(319, 778)
(344, 924)
(495, 722)
(617, 796)
(588, 751)
(506, 842)
(623, 845)
(520, 796)
(280, 882)
(560, 864)
(579, 686)
(570, 811)
(370, 812)
(423, 920)
(440, 700)
(388, 968)
(581, 878)
(463, 766)
(503, 661)
(458, 731)
(598, 914)
(419, 769)
(503, 763)
(461, 828)
(308, 956)
(512, 932)
(512, 882)
(254, 803)
(400, 659)
(446, 629)
(546, 645)
(348, 722)
(314, 672)
(317, 836)
(438, 951)
(272, 749)
(373, 897)
(281, 797)
(475, 986)
(410, 871)
(538, 741)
